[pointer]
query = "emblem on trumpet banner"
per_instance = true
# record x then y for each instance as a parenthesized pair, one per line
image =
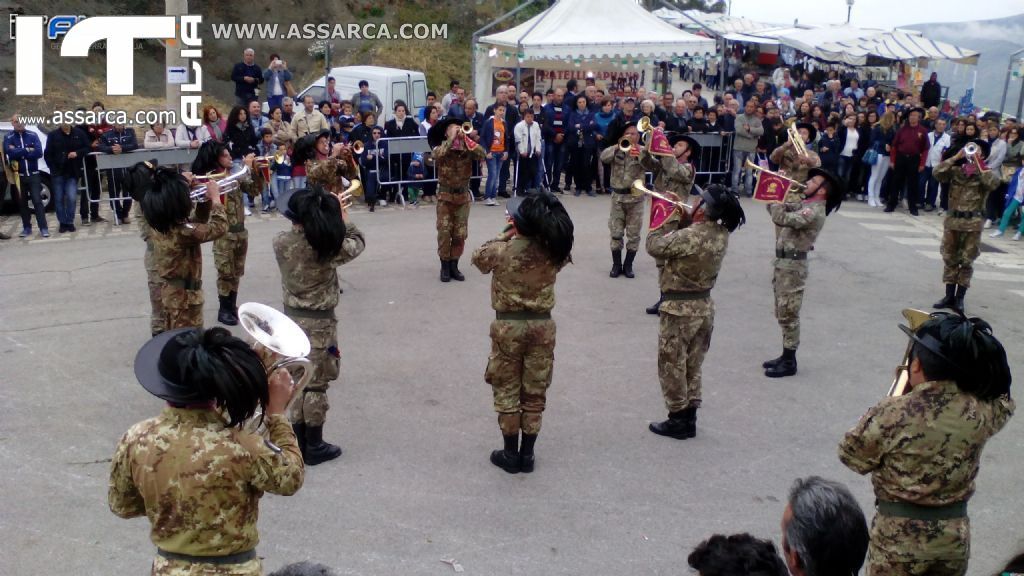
(770, 188)
(661, 211)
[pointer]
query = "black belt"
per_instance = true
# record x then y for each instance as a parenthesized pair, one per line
(236, 228)
(522, 315)
(966, 215)
(623, 191)
(917, 512)
(790, 254)
(186, 283)
(231, 559)
(686, 295)
(307, 313)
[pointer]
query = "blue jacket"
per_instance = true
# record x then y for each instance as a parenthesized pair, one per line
(487, 137)
(243, 89)
(59, 145)
(587, 129)
(25, 148)
(418, 169)
(126, 139)
(282, 75)
(879, 139)
(552, 125)
(830, 158)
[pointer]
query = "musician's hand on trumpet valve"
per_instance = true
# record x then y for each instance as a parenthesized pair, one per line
(249, 160)
(212, 191)
(281, 387)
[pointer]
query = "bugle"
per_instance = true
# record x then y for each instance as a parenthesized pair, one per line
(797, 140)
(358, 147)
(625, 145)
(467, 128)
(262, 161)
(227, 184)
(899, 382)
(798, 185)
(638, 185)
(281, 344)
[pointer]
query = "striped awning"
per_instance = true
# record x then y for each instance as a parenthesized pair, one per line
(896, 45)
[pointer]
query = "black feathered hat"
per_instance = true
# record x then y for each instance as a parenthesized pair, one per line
(542, 216)
(158, 367)
(722, 205)
(836, 188)
(438, 132)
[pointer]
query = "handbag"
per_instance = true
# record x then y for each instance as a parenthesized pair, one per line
(870, 157)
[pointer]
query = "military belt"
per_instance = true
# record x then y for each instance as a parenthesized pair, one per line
(236, 228)
(623, 191)
(522, 315)
(686, 295)
(230, 559)
(918, 512)
(790, 254)
(308, 313)
(966, 215)
(186, 283)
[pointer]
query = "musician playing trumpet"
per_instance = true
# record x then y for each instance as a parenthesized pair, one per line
(626, 219)
(321, 239)
(454, 154)
(795, 159)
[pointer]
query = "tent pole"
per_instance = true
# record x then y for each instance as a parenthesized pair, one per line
(1006, 84)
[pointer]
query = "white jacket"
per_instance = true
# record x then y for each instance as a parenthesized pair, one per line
(936, 147)
(182, 139)
(151, 140)
(520, 133)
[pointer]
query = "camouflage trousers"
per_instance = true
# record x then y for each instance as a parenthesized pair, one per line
(683, 340)
(166, 567)
(907, 547)
(452, 229)
(229, 257)
(626, 220)
(325, 355)
(519, 372)
(182, 308)
(157, 317)
(788, 282)
(959, 249)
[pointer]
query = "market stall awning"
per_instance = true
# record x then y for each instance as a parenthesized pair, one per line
(719, 24)
(593, 29)
(899, 45)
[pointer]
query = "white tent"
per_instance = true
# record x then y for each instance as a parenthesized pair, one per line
(897, 45)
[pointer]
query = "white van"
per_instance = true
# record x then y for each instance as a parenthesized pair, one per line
(389, 84)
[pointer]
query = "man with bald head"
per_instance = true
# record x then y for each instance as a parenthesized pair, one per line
(246, 76)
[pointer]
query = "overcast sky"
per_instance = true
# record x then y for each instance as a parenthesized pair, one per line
(875, 13)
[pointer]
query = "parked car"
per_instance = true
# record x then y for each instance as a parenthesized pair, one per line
(45, 193)
(389, 84)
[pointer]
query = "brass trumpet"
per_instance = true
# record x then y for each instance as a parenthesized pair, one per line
(792, 183)
(358, 147)
(262, 161)
(227, 183)
(354, 188)
(467, 128)
(625, 145)
(899, 382)
(797, 140)
(638, 185)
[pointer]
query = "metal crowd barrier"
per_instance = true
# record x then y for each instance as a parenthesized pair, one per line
(104, 161)
(401, 145)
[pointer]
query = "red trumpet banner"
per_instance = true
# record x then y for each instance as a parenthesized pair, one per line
(770, 188)
(661, 210)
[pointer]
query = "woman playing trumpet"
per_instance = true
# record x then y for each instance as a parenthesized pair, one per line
(322, 238)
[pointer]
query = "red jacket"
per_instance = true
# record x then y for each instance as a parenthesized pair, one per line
(911, 141)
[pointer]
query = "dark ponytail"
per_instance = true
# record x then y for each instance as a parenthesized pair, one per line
(320, 215)
(165, 202)
(543, 217)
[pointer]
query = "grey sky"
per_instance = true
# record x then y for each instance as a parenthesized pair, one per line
(875, 13)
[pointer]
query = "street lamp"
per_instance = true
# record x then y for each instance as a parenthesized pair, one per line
(849, 8)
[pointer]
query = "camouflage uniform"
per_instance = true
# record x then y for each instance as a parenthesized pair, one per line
(961, 234)
(522, 349)
(670, 175)
(178, 258)
(328, 173)
(691, 257)
(798, 226)
(923, 450)
(454, 169)
(627, 209)
(786, 158)
(157, 318)
(230, 249)
(199, 483)
(310, 297)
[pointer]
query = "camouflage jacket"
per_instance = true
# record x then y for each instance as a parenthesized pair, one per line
(178, 256)
(691, 258)
(625, 169)
(144, 230)
(524, 276)
(966, 194)
(924, 447)
(199, 482)
(455, 167)
(797, 225)
(786, 158)
(669, 174)
(307, 282)
(329, 172)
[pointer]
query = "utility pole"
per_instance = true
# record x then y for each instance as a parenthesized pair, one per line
(849, 10)
(172, 53)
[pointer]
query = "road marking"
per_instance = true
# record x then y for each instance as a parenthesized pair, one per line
(931, 255)
(890, 227)
(865, 215)
(914, 240)
(998, 276)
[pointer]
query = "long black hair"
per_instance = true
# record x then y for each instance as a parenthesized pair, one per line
(220, 367)
(304, 149)
(736, 555)
(165, 202)
(139, 179)
(234, 115)
(955, 347)
(208, 158)
(320, 215)
(724, 207)
(543, 217)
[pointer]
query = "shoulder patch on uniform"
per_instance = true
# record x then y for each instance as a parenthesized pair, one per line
(273, 447)
(807, 212)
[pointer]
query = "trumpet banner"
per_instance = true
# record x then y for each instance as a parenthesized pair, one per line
(770, 188)
(661, 211)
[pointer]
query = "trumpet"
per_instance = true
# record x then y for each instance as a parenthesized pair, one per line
(281, 343)
(792, 183)
(262, 161)
(638, 186)
(899, 382)
(971, 150)
(354, 188)
(625, 145)
(358, 147)
(467, 128)
(227, 183)
(797, 140)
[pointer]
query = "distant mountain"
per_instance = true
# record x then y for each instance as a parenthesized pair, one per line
(996, 40)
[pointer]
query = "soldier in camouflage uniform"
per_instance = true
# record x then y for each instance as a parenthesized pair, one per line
(193, 471)
(671, 174)
(177, 251)
(923, 448)
(794, 165)
(138, 180)
(692, 256)
(454, 158)
(524, 261)
(627, 207)
(961, 234)
(321, 238)
(798, 225)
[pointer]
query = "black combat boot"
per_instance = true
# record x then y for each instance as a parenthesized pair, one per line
(774, 361)
(446, 271)
(616, 264)
(627, 266)
(949, 301)
(677, 426)
(318, 451)
(453, 270)
(654, 309)
(958, 305)
(508, 458)
(786, 367)
(226, 315)
(299, 428)
(691, 421)
(526, 453)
